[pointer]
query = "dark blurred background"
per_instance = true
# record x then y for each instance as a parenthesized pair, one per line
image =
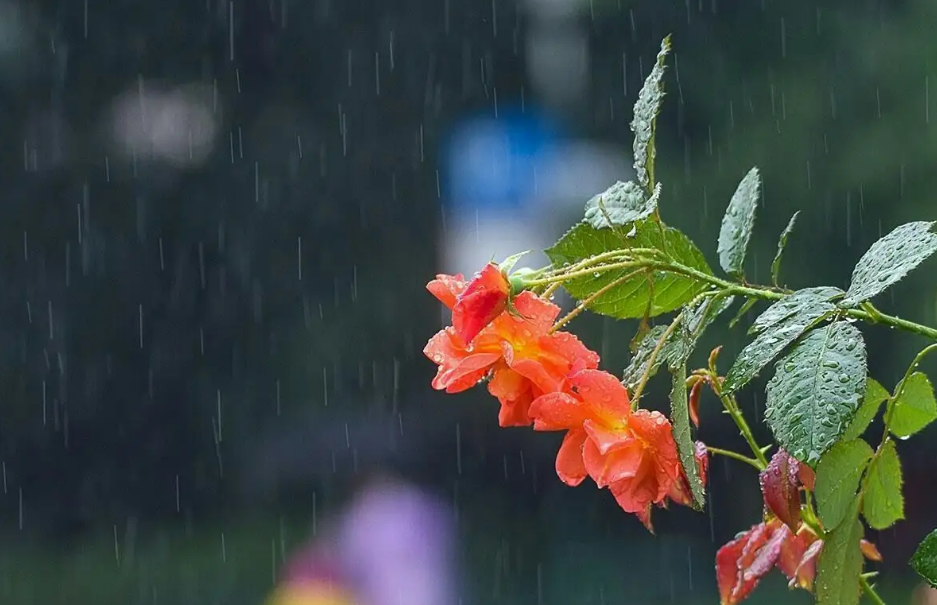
(217, 220)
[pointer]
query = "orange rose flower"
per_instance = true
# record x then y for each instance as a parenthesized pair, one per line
(517, 351)
(631, 453)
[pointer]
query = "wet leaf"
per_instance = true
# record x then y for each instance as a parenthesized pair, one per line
(738, 222)
(840, 562)
(644, 123)
(782, 244)
(642, 358)
(875, 394)
(680, 342)
(630, 297)
(680, 416)
(795, 303)
(816, 390)
(741, 563)
(914, 408)
(838, 475)
(889, 259)
(883, 504)
(622, 204)
(787, 320)
(780, 488)
(924, 560)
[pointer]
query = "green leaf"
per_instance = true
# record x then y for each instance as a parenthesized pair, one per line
(680, 414)
(889, 259)
(629, 298)
(782, 244)
(838, 475)
(840, 562)
(875, 394)
(924, 560)
(642, 358)
(621, 204)
(882, 503)
(914, 408)
(794, 303)
(680, 343)
(644, 124)
(787, 319)
(816, 390)
(738, 222)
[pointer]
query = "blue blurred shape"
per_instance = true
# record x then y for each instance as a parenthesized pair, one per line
(491, 163)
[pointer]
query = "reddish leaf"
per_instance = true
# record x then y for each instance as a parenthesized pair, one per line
(870, 551)
(694, 402)
(807, 570)
(780, 488)
(742, 563)
(793, 553)
(807, 476)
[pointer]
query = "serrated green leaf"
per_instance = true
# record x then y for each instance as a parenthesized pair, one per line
(816, 390)
(681, 341)
(889, 259)
(882, 503)
(838, 475)
(798, 313)
(924, 560)
(642, 358)
(794, 303)
(644, 123)
(621, 204)
(629, 298)
(680, 415)
(840, 562)
(914, 408)
(738, 222)
(782, 244)
(875, 394)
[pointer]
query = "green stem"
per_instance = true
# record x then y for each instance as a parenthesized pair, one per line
(868, 313)
(732, 408)
(652, 358)
(746, 430)
(869, 591)
(734, 455)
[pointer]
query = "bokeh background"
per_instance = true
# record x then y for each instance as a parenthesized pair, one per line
(217, 219)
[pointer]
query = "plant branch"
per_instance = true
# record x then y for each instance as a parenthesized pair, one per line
(867, 313)
(652, 358)
(734, 455)
(869, 591)
(591, 298)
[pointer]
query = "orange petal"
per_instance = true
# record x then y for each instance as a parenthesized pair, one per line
(515, 394)
(624, 461)
(484, 299)
(557, 412)
(635, 494)
(458, 369)
(536, 314)
(569, 464)
(605, 395)
(606, 439)
(447, 288)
